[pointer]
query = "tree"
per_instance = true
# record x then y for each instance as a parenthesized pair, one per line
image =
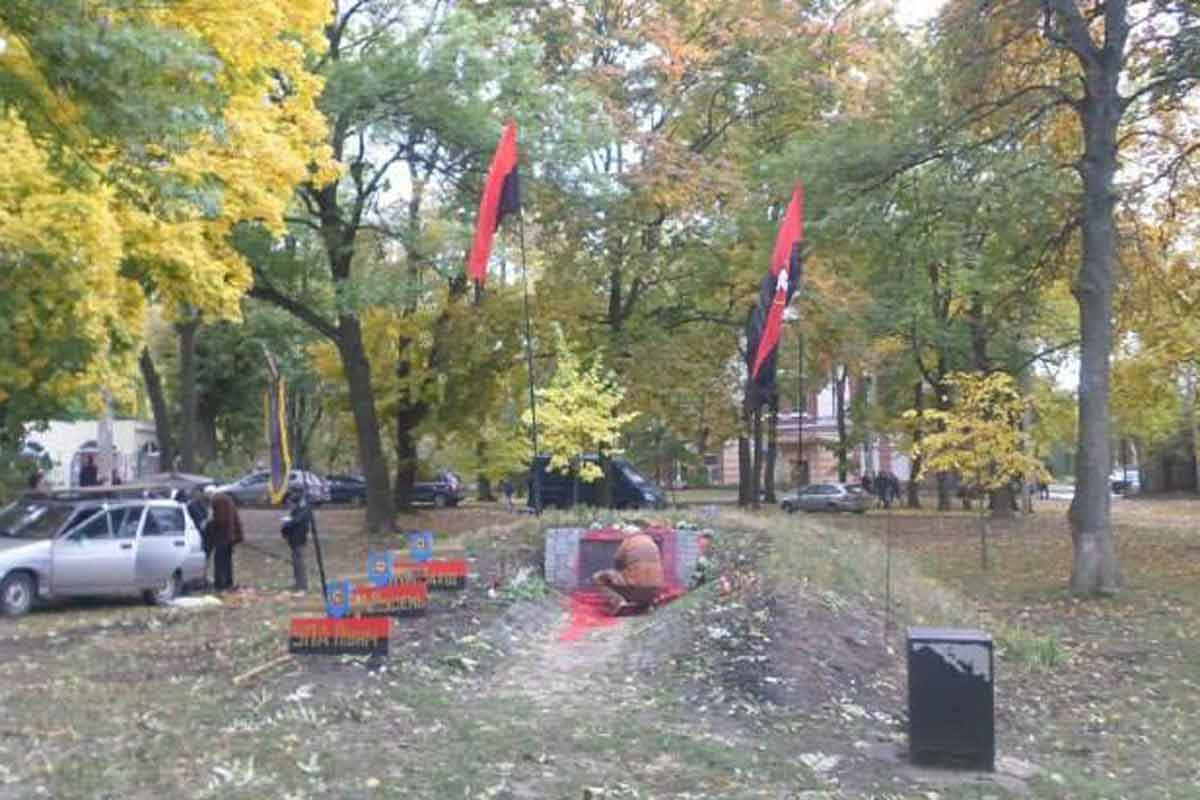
(980, 436)
(410, 102)
(578, 412)
(138, 137)
(1055, 70)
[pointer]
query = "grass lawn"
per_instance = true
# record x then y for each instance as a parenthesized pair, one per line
(779, 677)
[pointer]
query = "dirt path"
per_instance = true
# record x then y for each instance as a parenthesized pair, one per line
(566, 675)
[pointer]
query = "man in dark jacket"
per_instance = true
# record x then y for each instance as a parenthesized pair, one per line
(295, 531)
(198, 510)
(89, 473)
(225, 531)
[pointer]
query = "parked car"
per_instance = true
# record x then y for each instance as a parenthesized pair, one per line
(251, 489)
(89, 544)
(630, 489)
(828, 497)
(347, 489)
(444, 490)
(1125, 481)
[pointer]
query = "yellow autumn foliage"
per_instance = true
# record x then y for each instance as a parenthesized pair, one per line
(980, 436)
(577, 412)
(81, 241)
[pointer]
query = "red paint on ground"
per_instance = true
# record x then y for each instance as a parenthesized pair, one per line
(589, 611)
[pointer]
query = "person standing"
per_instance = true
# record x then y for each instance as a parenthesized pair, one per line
(89, 473)
(198, 510)
(226, 533)
(295, 531)
(506, 486)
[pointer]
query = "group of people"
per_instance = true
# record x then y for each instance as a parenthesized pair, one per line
(884, 485)
(216, 517)
(89, 473)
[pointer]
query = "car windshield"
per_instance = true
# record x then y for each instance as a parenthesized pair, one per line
(632, 474)
(32, 520)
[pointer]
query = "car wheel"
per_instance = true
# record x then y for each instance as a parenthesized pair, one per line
(16, 594)
(164, 594)
(832, 507)
(787, 507)
(439, 501)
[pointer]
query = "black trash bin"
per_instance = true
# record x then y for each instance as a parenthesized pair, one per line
(951, 698)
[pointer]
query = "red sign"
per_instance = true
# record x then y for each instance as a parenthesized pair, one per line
(448, 573)
(436, 573)
(403, 599)
(327, 636)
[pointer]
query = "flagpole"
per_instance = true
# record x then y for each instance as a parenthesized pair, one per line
(801, 406)
(536, 482)
(316, 536)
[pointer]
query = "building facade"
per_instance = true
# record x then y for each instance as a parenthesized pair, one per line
(805, 446)
(65, 445)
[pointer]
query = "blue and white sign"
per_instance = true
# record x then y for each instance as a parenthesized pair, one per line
(420, 545)
(337, 598)
(380, 566)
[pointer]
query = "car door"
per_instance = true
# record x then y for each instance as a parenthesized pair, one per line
(94, 557)
(814, 497)
(252, 489)
(161, 546)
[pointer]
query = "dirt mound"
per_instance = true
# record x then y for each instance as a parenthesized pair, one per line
(791, 650)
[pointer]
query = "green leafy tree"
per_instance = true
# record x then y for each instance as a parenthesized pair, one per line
(578, 412)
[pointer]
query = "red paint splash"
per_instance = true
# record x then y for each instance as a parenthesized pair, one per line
(589, 610)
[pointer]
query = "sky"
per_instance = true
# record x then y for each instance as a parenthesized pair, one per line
(916, 12)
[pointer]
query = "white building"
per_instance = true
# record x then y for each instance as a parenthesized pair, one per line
(65, 444)
(817, 430)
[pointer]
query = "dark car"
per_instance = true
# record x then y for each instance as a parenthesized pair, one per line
(350, 489)
(629, 488)
(444, 490)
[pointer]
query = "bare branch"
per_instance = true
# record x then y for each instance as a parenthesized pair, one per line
(263, 290)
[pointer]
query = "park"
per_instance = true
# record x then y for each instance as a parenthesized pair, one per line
(622, 399)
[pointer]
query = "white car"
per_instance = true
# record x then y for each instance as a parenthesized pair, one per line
(87, 545)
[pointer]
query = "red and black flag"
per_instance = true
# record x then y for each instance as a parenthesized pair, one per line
(501, 196)
(778, 286)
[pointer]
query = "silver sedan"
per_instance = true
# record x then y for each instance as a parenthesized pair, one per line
(828, 497)
(52, 549)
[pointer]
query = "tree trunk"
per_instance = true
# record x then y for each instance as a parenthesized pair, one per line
(206, 432)
(1191, 425)
(772, 448)
(366, 423)
(744, 470)
(484, 484)
(839, 395)
(1003, 502)
(914, 475)
(406, 460)
(187, 392)
(158, 404)
(1095, 569)
(745, 463)
(756, 483)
